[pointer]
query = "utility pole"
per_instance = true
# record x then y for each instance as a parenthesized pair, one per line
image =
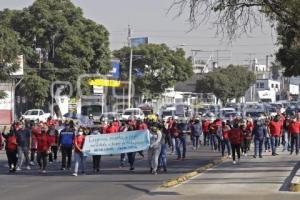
(267, 65)
(130, 67)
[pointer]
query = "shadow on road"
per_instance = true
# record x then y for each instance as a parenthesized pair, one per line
(151, 193)
(285, 186)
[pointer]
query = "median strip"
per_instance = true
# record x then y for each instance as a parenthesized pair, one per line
(176, 181)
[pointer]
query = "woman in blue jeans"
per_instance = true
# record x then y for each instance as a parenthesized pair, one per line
(162, 160)
(258, 134)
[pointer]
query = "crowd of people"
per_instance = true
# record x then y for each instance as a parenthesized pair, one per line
(28, 143)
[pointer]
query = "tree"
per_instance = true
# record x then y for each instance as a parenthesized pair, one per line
(36, 88)
(228, 83)
(236, 17)
(288, 54)
(217, 83)
(71, 44)
(155, 67)
(275, 69)
(9, 50)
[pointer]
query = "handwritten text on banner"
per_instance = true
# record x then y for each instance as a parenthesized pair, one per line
(124, 142)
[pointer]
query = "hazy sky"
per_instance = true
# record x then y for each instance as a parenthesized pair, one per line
(149, 18)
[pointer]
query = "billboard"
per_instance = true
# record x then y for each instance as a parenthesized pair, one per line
(104, 82)
(138, 41)
(6, 108)
(115, 68)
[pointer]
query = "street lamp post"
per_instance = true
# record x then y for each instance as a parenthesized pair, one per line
(130, 78)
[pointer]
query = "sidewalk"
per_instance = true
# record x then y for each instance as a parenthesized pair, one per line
(260, 178)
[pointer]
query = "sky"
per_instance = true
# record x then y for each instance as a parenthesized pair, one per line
(149, 18)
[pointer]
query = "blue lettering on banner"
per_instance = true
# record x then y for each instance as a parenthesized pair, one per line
(124, 142)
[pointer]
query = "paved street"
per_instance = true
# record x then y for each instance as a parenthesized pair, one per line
(113, 183)
(266, 178)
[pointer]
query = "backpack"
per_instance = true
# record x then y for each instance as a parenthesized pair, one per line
(66, 138)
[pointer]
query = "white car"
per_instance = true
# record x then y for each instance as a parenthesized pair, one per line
(166, 114)
(136, 113)
(36, 115)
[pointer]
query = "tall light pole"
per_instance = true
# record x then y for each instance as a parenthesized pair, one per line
(130, 67)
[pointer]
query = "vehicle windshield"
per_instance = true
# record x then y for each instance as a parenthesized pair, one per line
(168, 113)
(32, 112)
(254, 114)
(95, 110)
(71, 115)
(272, 109)
(230, 115)
(278, 106)
(131, 112)
(147, 112)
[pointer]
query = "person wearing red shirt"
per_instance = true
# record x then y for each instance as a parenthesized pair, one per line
(1, 140)
(78, 154)
(11, 148)
(43, 147)
(53, 137)
(142, 126)
(36, 129)
(294, 131)
(235, 138)
(116, 124)
(225, 139)
(205, 125)
(275, 131)
(111, 128)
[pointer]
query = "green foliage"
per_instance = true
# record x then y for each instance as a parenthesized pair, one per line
(275, 68)
(9, 50)
(288, 54)
(71, 44)
(228, 83)
(36, 89)
(159, 67)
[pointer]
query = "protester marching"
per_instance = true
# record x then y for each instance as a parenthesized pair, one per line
(69, 145)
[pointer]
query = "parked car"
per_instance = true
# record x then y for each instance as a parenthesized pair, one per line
(36, 115)
(272, 111)
(224, 111)
(231, 115)
(133, 112)
(109, 116)
(166, 114)
(256, 114)
(76, 118)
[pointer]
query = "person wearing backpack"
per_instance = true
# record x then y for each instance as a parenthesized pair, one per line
(11, 149)
(66, 139)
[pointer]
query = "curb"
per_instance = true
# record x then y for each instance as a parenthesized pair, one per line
(176, 181)
(295, 183)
